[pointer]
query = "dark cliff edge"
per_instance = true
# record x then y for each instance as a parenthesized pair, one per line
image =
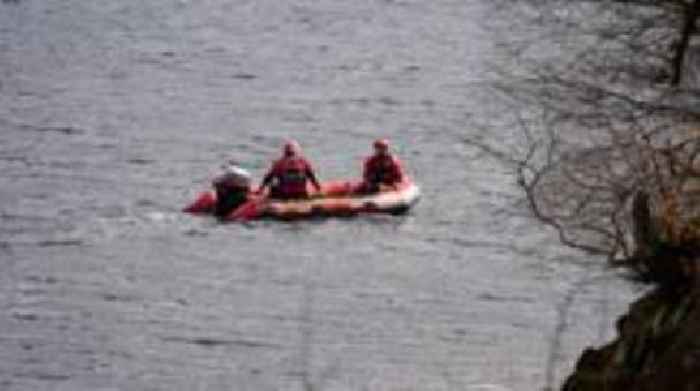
(658, 340)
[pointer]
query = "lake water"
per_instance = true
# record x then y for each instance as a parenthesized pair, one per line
(113, 114)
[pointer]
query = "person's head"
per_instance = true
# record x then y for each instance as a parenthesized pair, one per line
(381, 147)
(291, 148)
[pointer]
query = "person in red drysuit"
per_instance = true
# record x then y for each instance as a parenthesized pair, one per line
(382, 168)
(289, 175)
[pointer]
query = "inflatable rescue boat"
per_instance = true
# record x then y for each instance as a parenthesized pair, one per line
(338, 198)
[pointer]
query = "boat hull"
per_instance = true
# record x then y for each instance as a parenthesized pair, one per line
(338, 198)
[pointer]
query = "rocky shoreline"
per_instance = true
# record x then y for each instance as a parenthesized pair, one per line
(657, 347)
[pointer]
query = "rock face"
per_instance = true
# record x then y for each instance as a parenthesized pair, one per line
(658, 342)
(657, 348)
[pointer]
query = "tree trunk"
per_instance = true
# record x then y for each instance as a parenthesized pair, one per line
(643, 227)
(690, 17)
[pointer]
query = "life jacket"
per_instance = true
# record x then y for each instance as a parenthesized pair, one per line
(385, 170)
(292, 175)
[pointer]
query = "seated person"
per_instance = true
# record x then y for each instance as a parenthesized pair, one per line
(290, 174)
(381, 169)
(232, 189)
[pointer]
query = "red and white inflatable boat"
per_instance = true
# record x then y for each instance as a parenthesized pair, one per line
(338, 198)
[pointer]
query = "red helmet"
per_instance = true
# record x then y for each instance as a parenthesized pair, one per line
(381, 143)
(291, 148)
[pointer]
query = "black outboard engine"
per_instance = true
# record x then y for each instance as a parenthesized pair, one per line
(232, 189)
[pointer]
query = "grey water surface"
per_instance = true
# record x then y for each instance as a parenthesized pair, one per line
(113, 114)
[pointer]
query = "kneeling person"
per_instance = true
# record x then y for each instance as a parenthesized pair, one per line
(288, 176)
(381, 169)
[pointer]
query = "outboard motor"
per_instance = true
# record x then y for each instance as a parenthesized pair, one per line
(232, 189)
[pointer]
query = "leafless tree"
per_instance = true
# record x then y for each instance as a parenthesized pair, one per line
(598, 125)
(601, 135)
(640, 41)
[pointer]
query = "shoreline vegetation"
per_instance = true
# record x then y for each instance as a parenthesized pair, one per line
(603, 101)
(657, 346)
